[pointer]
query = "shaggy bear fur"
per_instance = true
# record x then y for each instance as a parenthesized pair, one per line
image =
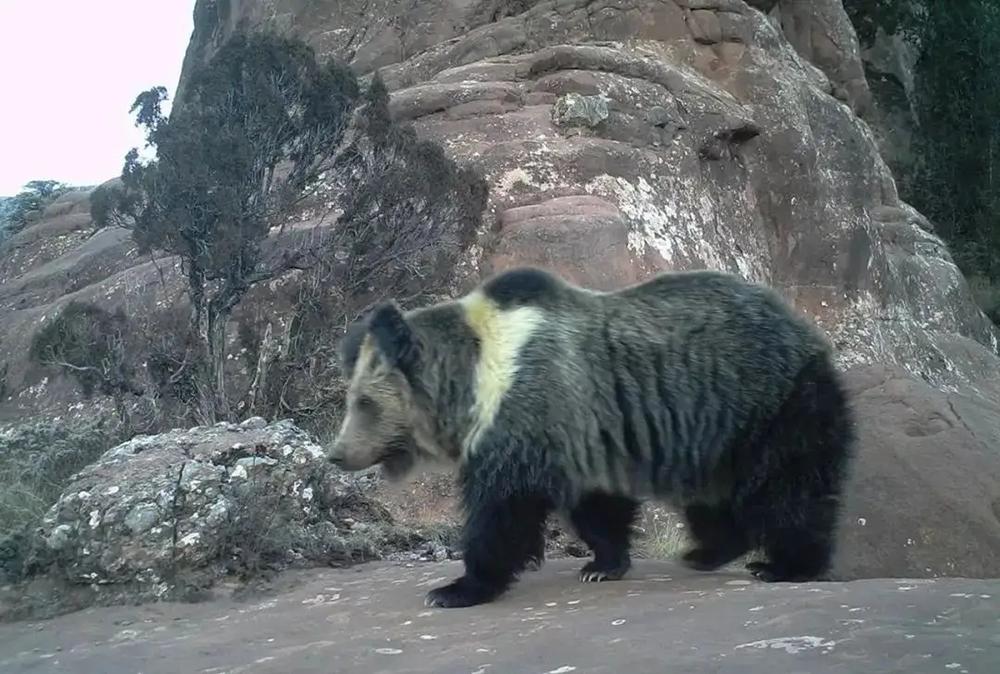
(694, 388)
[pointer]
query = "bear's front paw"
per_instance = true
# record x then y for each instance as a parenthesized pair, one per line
(459, 594)
(596, 572)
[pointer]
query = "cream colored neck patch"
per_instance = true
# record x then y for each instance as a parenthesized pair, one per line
(502, 335)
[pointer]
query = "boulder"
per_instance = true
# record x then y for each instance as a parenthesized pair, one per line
(924, 497)
(160, 517)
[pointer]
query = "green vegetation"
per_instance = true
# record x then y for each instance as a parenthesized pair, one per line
(891, 16)
(37, 460)
(18, 211)
(408, 215)
(87, 343)
(263, 103)
(956, 181)
(264, 131)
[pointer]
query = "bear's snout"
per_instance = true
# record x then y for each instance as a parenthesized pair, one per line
(347, 458)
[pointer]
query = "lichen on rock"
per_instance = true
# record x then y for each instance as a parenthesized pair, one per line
(577, 110)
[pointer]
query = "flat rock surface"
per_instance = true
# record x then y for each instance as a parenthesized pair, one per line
(371, 619)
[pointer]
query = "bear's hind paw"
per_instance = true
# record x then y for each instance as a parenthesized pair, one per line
(459, 594)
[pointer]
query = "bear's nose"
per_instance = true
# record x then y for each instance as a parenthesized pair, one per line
(335, 455)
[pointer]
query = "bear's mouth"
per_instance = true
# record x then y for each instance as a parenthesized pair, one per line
(398, 459)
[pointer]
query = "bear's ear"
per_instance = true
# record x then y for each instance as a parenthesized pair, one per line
(394, 337)
(350, 346)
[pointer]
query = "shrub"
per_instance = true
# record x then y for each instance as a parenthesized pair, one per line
(954, 101)
(259, 122)
(409, 213)
(37, 460)
(87, 343)
(255, 537)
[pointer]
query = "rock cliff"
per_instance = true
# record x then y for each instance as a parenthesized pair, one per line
(726, 142)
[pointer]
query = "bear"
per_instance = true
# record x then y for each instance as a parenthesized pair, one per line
(697, 389)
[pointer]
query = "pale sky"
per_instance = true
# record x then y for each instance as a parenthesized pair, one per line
(69, 71)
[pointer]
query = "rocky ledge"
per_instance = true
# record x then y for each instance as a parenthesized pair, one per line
(662, 618)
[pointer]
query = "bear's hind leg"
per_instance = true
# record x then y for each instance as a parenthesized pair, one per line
(502, 536)
(604, 522)
(791, 508)
(717, 538)
(798, 551)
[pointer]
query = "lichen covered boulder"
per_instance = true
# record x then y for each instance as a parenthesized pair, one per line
(163, 514)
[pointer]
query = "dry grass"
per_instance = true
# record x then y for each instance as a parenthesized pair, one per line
(663, 534)
(38, 459)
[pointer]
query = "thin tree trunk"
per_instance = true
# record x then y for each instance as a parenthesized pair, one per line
(217, 363)
(201, 327)
(257, 387)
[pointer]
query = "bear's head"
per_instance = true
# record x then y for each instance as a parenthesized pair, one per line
(382, 422)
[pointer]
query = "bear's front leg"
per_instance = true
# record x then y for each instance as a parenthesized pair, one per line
(502, 535)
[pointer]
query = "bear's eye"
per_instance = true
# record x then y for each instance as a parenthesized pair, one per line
(366, 404)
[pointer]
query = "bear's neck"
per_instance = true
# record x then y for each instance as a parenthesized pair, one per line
(450, 388)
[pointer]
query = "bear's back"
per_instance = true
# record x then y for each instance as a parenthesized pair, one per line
(709, 331)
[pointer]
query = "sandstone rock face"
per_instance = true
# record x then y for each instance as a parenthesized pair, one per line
(821, 32)
(726, 145)
(924, 499)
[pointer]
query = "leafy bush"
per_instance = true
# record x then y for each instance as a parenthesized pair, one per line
(891, 16)
(103, 202)
(409, 211)
(408, 214)
(958, 96)
(171, 359)
(87, 343)
(255, 536)
(37, 461)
